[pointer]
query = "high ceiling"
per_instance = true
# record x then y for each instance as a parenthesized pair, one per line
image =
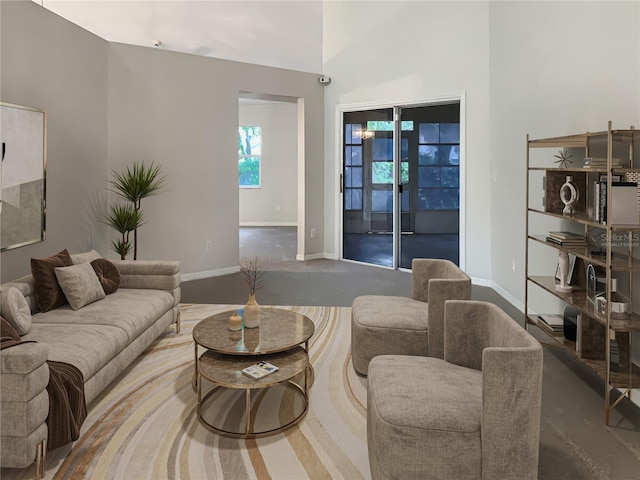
(285, 34)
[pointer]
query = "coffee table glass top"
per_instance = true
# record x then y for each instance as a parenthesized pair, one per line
(279, 330)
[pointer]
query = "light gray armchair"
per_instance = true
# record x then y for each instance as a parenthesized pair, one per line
(473, 415)
(391, 325)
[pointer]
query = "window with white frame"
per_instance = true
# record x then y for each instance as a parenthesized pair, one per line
(249, 152)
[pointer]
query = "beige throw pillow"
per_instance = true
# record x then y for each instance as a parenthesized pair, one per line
(84, 257)
(80, 285)
(15, 310)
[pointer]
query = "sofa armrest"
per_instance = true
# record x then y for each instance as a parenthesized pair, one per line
(24, 358)
(24, 404)
(153, 274)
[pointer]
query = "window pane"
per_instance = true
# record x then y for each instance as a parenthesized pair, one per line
(356, 199)
(347, 199)
(356, 155)
(353, 155)
(450, 154)
(438, 199)
(404, 172)
(438, 177)
(429, 133)
(351, 136)
(404, 149)
(352, 177)
(249, 171)
(382, 172)
(356, 176)
(387, 125)
(381, 200)
(449, 133)
(428, 155)
(404, 200)
(382, 149)
(249, 140)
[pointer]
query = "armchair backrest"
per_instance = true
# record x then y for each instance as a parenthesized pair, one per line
(480, 335)
(435, 281)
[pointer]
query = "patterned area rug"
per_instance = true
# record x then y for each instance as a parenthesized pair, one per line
(145, 425)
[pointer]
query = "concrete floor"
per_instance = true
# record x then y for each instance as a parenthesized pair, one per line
(574, 441)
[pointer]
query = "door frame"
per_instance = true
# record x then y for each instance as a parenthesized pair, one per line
(339, 164)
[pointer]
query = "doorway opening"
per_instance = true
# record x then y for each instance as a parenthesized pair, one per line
(268, 159)
(401, 184)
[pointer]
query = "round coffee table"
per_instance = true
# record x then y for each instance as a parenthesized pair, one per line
(278, 340)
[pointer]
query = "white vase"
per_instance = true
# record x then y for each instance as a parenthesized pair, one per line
(569, 194)
(251, 313)
(563, 267)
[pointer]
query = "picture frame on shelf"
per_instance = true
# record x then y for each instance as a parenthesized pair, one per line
(572, 264)
(614, 178)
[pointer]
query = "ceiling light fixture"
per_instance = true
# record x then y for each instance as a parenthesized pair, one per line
(361, 132)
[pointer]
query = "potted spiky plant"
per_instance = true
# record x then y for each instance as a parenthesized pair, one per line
(124, 219)
(135, 183)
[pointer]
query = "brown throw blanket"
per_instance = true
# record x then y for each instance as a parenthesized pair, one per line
(67, 406)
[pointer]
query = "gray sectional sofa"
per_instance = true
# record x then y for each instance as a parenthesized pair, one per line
(101, 339)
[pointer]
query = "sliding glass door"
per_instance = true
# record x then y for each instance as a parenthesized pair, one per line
(400, 179)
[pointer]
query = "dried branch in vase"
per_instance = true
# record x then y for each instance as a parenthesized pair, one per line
(253, 273)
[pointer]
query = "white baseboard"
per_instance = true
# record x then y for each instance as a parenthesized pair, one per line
(331, 256)
(268, 224)
(300, 258)
(186, 277)
(315, 256)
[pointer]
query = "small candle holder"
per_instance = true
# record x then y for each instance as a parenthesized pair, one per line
(235, 322)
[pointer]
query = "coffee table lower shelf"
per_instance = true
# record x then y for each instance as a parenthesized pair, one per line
(238, 406)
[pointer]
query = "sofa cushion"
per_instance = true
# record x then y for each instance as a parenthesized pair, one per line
(424, 393)
(15, 309)
(389, 312)
(420, 422)
(80, 285)
(88, 347)
(131, 310)
(108, 275)
(48, 293)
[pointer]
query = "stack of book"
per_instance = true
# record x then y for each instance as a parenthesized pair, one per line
(554, 322)
(567, 239)
(600, 163)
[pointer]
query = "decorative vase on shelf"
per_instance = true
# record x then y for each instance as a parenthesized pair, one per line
(563, 267)
(569, 194)
(251, 313)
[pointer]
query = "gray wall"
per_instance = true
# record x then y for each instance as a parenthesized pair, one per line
(181, 111)
(53, 65)
(276, 201)
(111, 104)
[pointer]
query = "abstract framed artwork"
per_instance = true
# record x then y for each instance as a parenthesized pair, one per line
(23, 132)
